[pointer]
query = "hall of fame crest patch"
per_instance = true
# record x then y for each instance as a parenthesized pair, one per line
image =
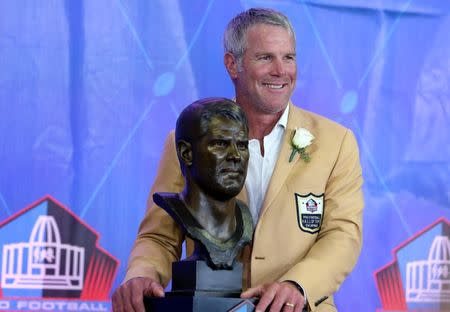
(309, 212)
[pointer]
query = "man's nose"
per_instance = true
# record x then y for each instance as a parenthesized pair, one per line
(233, 152)
(278, 67)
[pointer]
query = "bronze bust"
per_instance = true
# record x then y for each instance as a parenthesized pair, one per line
(212, 146)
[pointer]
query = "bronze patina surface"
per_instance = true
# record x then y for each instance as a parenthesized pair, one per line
(212, 147)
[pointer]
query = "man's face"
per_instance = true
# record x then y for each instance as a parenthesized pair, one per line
(220, 158)
(266, 78)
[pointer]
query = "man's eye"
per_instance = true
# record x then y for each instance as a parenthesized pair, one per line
(219, 143)
(264, 57)
(242, 146)
(290, 57)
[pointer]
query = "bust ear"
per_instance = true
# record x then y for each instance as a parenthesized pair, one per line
(184, 151)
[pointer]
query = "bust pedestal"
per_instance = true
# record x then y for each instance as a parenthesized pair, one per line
(198, 288)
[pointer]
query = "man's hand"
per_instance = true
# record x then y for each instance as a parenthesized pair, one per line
(282, 296)
(130, 295)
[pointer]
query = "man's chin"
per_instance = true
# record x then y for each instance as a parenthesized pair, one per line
(228, 192)
(232, 185)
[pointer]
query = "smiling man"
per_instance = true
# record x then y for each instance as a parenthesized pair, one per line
(303, 185)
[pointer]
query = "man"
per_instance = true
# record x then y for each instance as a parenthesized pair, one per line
(212, 146)
(307, 209)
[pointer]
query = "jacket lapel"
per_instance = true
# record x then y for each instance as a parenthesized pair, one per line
(283, 167)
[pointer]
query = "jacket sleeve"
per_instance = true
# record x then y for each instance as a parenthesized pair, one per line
(159, 238)
(338, 244)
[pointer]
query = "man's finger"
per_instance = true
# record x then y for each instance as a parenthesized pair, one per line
(280, 299)
(266, 298)
(294, 300)
(252, 292)
(125, 298)
(116, 302)
(299, 306)
(135, 300)
(154, 290)
(293, 304)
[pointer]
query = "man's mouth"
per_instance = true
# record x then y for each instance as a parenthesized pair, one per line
(233, 171)
(275, 86)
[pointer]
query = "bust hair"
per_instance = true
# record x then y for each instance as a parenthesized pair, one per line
(194, 120)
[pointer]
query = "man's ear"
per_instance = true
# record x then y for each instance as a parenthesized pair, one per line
(184, 151)
(231, 64)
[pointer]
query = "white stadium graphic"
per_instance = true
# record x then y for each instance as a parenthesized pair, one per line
(43, 262)
(429, 280)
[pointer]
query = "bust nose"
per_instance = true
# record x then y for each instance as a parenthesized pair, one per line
(233, 152)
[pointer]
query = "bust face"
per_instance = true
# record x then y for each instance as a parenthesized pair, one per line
(220, 158)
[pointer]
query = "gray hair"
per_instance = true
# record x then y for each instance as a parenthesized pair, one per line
(234, 39)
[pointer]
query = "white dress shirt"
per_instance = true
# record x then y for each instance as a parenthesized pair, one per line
(260, 168)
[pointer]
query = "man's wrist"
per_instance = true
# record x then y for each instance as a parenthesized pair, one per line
(297, 285)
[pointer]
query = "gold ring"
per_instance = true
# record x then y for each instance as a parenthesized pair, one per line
(291, 305)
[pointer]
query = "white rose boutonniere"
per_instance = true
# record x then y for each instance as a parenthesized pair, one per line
(301, 139)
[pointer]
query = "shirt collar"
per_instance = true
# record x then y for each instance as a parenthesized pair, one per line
(284, 118)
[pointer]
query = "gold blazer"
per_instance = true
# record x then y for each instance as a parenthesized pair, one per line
(283, 247)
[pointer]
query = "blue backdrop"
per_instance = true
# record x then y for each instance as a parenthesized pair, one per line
(90, 89)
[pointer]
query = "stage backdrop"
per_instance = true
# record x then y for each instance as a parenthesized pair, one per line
(90, 89)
